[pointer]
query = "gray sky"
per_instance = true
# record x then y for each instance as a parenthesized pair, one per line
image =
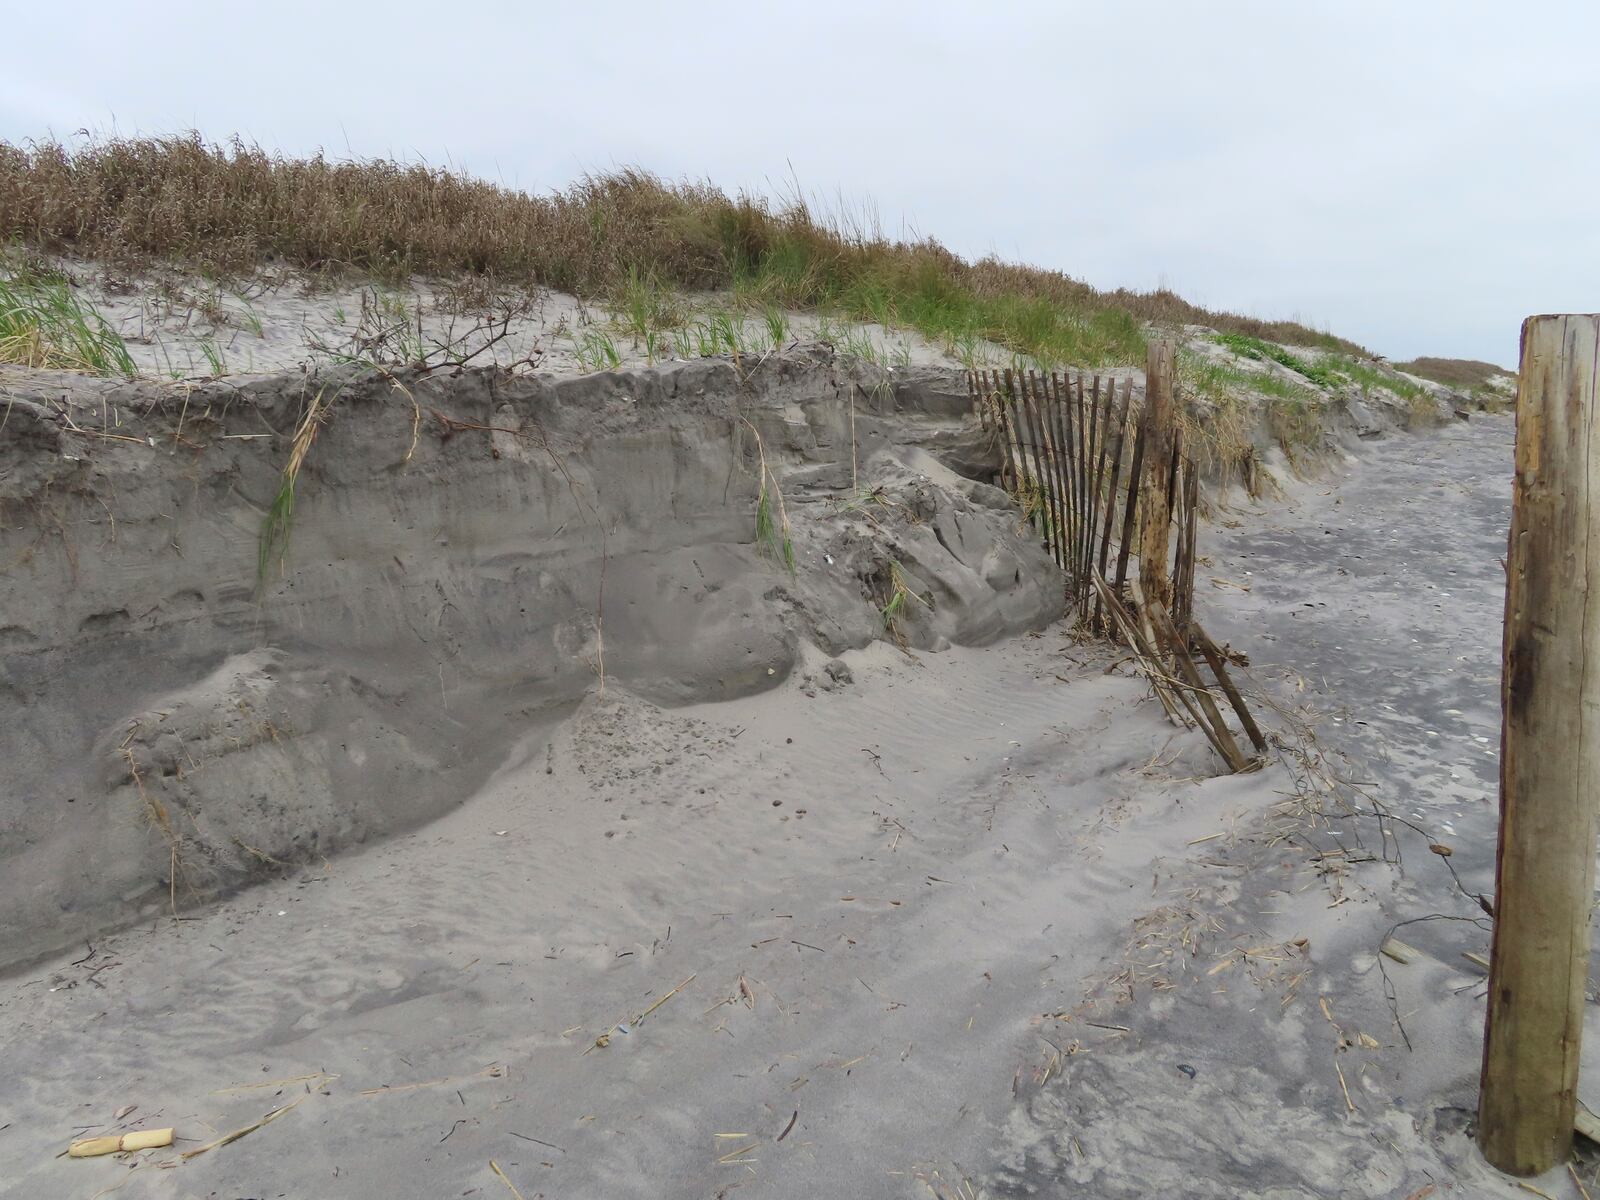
(1416, 176)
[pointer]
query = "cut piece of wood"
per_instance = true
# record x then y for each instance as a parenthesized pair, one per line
(1550, 756)
(139, 1139)
(1401, 953)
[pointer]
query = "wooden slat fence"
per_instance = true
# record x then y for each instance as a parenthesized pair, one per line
(1072, 453)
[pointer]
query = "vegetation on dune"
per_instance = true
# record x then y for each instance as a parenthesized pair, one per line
(227, 209)
(1259, 350)
(1467, 374)
(637, 244)
(43, 324)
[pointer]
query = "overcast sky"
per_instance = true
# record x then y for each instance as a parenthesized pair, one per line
(1416, 176)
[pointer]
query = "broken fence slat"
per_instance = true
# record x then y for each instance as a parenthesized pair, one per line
(1217, 661)
(1215, 728)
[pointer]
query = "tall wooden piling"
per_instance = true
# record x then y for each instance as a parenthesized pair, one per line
(1155, 504)
(1549, 755)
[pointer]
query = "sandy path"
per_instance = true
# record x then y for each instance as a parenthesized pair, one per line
(636, 849)
(1375, 597)
(1382, 585)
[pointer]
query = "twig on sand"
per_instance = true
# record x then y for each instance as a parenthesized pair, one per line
(1343, 1087)
(604, 1040)
(506, 1179)
(239, 1133)
(537, 1141)
(322, 1077)
(492, 1071)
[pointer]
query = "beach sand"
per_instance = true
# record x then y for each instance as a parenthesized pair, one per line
(968, 918)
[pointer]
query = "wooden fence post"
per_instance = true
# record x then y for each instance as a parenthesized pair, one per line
(1155, 512)
(1549, 760)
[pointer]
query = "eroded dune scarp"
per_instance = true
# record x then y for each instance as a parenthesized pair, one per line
(195, 701)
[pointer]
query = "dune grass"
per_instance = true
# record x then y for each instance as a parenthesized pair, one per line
(44, 324)
(1368, 377)
(1246, 346)
(1467, 374)
(897, 593)
(227, 209)
(1298, 424)
(273, 541)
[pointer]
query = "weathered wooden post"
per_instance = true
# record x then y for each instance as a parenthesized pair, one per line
(1549, 755)
(1155, 511)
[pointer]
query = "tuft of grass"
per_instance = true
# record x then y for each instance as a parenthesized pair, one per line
(773, 534)
(727, 333)
(44, 324)
(856, 342)
(1423, 410)
(644, 310)
(252, 320)
(273, 544)
(894, 605)
(777, 326)
(228, 208)
(216, 362)
(966, 346)
(1298, 424)
(595, 351)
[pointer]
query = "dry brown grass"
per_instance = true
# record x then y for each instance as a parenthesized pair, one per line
(228, 209)
(1464, 373)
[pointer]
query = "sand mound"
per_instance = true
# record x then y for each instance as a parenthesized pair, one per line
(468, 553)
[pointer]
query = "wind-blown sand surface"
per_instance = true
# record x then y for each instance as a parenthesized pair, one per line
(951, 921)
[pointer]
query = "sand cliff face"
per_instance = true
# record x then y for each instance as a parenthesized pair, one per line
(470, 551)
